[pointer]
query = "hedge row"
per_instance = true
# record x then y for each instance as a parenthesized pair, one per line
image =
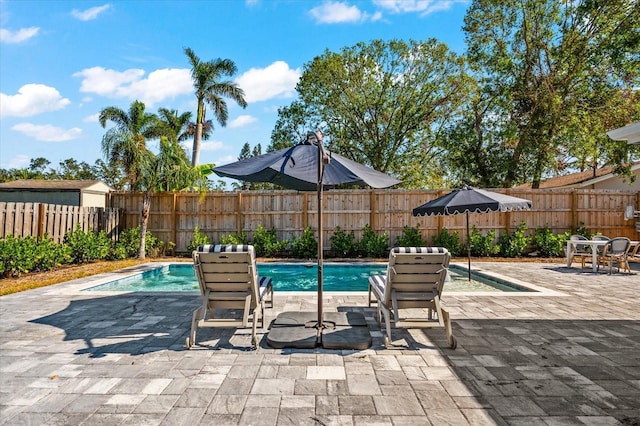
(23, 255)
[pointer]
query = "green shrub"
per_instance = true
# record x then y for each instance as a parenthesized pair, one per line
(128, 244)
(583, 230)
(410, 237)
(372, 245)
(118, 251)
(49, 255)
(306, 246)
(343, 244)
(199, 239)
(86, 247)
(22, 255)
(153, 246)
(234, 238)
(17, 255)
(547, 244)
(515, 244)
(266, 243)
(450, 241)
(483, 245)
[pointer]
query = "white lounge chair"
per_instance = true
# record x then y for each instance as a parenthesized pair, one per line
(228, 279)
(415, 277)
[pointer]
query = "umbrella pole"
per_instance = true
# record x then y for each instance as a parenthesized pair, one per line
(320, 246)
(468, 247)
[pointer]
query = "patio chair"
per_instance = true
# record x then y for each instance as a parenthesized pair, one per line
(634, 253)
(582, 251)
(228, 280)
(616, 251)
(600, 249)
(415, 277)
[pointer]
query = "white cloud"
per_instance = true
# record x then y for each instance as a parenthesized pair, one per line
(225, 160)
(335, 12)
(211, 145)
(276, 80)
(18, 162)
(241, 121)
(423, 7)
(89, 14)
(130, 84)
(19, 36)
(32, 99)
(47, 132)
(92, 118)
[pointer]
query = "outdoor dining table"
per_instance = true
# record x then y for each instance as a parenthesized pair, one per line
(572, 247)
(594, 244)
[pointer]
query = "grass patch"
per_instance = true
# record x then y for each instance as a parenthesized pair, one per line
(65, 273)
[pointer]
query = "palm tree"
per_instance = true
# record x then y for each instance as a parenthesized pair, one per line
(169, 170)
(125, 144)
(176, 127)
(211, 90)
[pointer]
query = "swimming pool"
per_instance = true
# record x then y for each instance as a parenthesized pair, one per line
(300, 277)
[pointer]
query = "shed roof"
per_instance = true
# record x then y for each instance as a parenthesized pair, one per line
(55, 185)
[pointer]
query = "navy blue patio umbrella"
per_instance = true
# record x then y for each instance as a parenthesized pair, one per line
(471, 200)
(307, 166)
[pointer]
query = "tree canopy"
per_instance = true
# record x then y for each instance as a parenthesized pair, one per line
(540, 84)
(380, 104)
(553, 76)
(210, 89)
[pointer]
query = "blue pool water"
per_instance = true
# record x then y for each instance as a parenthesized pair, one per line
(296, 277)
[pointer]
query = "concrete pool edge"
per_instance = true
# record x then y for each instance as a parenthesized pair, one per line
(78, 286)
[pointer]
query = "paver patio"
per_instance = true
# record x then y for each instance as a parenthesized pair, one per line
(569, 357)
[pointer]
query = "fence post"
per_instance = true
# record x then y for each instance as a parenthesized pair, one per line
(174, 231)
(372, 210)
(574, 210)
(305, 210)
(41, 219)
(100, 219)
(508, 215)
(239, 213)
(440, 217)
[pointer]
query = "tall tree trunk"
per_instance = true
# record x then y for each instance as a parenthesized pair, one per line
(515, 162)
(197, 141)
(144, 221)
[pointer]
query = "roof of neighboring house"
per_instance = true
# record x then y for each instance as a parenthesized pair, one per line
(53, 185)
(576, 179)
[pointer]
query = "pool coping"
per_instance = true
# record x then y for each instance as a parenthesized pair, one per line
(78, 286)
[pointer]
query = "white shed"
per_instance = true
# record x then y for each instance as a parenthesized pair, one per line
(83, 193)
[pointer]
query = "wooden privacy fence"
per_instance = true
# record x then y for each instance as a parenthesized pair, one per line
(174, 216)
(38, 219)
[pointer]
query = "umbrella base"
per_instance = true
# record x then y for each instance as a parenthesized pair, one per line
(340, 330)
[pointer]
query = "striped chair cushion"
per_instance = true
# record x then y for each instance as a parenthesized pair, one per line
(224, 248)
(264, 284)
(419, 250)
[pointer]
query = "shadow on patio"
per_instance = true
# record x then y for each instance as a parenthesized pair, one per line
(569, 369)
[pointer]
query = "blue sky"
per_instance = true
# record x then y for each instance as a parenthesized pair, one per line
(62, 62)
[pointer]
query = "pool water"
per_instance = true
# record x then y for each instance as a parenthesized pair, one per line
(297, 277)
